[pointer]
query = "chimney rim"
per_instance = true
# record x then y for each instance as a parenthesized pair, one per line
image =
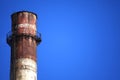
(22, 12)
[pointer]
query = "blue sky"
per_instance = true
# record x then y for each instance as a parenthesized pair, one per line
(80, 38)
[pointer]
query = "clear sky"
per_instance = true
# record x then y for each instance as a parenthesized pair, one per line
(80, 38)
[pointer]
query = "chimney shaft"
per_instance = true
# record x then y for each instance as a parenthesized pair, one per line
(23, 40)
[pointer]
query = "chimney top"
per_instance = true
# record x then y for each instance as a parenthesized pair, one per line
(22, 12)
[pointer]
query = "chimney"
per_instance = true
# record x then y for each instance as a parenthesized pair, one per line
(23, 39)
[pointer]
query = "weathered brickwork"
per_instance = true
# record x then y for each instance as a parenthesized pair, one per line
(23, 42)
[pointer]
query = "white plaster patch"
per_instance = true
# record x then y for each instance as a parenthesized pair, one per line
(26, 25)
(27, 69)
(26, 75)
(27, 61)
